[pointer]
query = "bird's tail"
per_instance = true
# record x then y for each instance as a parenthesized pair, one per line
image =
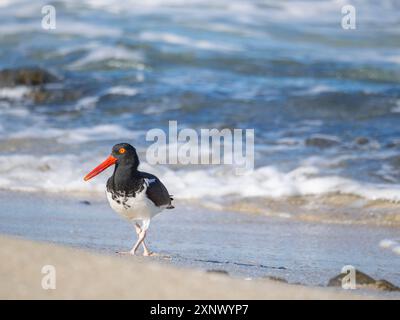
(170, 206)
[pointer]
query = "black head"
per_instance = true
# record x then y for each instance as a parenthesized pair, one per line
(125, 154)
(122, 155)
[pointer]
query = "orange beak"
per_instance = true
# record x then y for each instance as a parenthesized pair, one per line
(101, 167)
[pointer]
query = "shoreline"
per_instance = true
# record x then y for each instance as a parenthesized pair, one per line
(335, 208)
(84, 275)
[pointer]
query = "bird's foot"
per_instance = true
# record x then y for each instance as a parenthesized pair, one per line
(126, 253)
(149, 254)
(155, 254)
(145, 254)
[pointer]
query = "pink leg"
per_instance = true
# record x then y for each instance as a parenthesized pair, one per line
(141, 236)
(146, 251)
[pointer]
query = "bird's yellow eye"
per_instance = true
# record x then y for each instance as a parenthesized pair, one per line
(121, 150)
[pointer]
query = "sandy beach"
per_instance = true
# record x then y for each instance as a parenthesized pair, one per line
(83, 275)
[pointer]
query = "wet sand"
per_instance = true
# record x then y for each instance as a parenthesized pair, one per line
(243, 245)
(82, 275)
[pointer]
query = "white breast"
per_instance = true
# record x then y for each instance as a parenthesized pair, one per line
(134, 208)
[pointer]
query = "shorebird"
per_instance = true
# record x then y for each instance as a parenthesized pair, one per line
(135, 195)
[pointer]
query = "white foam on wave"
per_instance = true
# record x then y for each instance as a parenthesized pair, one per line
(68, 49)
(61, 173)
(133, 6)
(319, 88)
(270, 182)
(102, 53)
(77, 135)
(86, 103)
(14, 111)
(390, 244)
(158, 109)
(89, 30)
(122, 90)
(46, 173)
(393, 59)
(5, 3)
(90, 102)
(175, 39)
(64, 27)
(11, 101)
(243, 11)
(396, 109)
(387, 243)
(14, 93)
(249, 11)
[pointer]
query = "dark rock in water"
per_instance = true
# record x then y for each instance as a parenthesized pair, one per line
(321, 142)
(362, 141)
(278, 279)
(386, 285)
(85, 202)
(363, 279)
(44, 86)
(393, 144)
(219, 271)
(25, 76)
(395, 161)
(51, 96)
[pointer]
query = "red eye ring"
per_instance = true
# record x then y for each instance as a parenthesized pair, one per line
(121, 150)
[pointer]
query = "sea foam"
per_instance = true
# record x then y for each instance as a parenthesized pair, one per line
(77, 135)
(63, 173)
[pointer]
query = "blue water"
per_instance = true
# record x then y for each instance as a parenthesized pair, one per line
(286, 69)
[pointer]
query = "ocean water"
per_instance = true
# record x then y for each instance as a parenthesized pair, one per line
(286, 69)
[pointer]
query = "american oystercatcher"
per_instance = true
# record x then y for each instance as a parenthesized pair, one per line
(137, 196)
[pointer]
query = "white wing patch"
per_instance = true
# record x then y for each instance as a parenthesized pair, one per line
(149, 181)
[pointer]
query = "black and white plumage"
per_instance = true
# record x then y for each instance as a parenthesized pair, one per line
(135, 195)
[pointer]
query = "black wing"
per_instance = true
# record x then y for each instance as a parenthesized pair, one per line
(157, 192)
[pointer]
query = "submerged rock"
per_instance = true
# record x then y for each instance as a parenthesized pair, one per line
(364, 280)
(393, 144)
(219, 271)
(320, 141)
(361, 278)
(59, 95)
(395, 161)
(362, 141)
(42, 86)
(25, 77)
(386, 285)
(277, 279)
